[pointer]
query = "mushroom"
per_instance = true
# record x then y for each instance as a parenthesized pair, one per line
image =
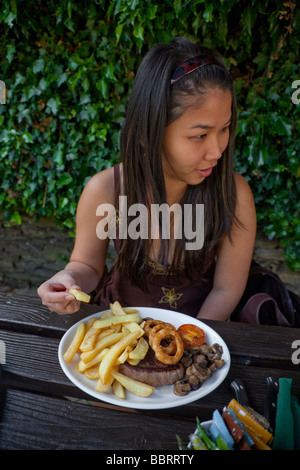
(200, 359)
(202, 373)
(199, 364)
(219, 363)
(181, 387)
(187, 360)
(204, 349)
(217, 349)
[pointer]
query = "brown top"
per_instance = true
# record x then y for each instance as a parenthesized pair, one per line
(167, 288)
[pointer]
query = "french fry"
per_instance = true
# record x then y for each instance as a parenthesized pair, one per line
(92, 373)
(137, 388)
(103, 323)
(110, 358)
(117, 328)
(75, 343)
(130, 310)
(125, 330)
(133, 362)
(106, 314)
(104, 387)
(79, 295)
(90, 323)
(104, 333)
(124, 356)
(117, 309)
(82, 366)
(140, 351)
(134, 326)
(118, 389)
(103, 343)
(89, 339)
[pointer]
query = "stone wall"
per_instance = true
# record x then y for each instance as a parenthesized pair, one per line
(32, 252)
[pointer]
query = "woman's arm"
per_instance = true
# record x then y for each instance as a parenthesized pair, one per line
(234, 259)
(87, 261)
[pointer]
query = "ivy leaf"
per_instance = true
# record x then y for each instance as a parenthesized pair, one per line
(11, 49)
(65, 179)
(16, 218)
(102, 87)
(53, 104)
(62, 79)
(138, 32)
(207, 15)
(249, 17)
(118, 31)
(27, 137)
(177, 7)
(38, 65)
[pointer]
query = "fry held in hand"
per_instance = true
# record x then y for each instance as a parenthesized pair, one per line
(79, 295)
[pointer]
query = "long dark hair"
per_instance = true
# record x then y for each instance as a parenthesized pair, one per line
(154, 104)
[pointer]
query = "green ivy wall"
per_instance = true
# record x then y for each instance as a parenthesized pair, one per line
(68, 67)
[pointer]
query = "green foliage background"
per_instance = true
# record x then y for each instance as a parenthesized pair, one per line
(68, 67)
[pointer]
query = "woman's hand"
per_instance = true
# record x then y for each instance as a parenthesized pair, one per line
(55, 293)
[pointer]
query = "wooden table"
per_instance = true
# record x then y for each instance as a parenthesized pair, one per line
(34, 410)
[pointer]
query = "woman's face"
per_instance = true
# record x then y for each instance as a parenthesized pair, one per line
(194, 142)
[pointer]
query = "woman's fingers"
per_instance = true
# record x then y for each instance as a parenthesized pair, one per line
(63, 307)
(56, 297)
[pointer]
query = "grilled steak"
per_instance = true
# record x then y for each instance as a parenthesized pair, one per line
(152, 372)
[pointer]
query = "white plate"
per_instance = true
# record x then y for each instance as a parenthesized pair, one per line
(162, 397)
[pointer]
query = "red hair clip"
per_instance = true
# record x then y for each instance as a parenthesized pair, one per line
(189, 66)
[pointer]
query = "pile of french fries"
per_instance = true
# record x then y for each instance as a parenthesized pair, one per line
(104, 343)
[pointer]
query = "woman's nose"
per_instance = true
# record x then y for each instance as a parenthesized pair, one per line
(213, 151)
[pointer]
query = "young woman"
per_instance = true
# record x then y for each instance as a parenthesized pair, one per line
(177, 148)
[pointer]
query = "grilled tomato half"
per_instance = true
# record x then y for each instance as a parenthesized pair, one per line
(191, 335)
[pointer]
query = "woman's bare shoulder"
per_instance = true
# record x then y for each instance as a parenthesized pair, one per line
(101, 187)
(245, 208)
(244, 192)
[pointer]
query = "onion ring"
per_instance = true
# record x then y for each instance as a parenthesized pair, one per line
(160, 353)
(170, 345)
(150, 324)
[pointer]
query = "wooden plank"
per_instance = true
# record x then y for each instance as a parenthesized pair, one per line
(263, 350)
(263, 346)
(27, 314)
(32, 364)
(36, 422)
(31, 355)
(249, 344)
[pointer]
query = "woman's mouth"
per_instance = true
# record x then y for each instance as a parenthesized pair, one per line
(206, 172)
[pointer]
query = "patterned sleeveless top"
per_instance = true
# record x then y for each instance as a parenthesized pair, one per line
(167, 287)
